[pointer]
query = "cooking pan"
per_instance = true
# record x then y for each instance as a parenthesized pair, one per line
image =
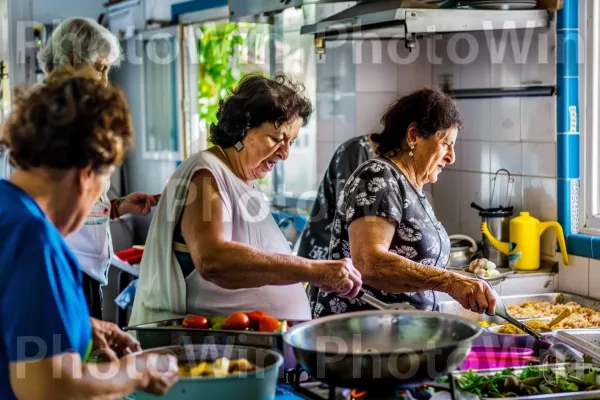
(382, 349)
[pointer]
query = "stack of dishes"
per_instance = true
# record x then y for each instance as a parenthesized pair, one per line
(500, 4)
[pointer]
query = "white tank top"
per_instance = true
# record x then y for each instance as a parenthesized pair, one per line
(247, 219)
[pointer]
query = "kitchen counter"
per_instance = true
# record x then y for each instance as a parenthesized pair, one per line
(543, 280)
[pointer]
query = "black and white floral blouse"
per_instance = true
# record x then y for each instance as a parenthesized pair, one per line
(379, 188)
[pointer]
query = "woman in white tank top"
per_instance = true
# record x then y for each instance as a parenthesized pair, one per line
(214, 247)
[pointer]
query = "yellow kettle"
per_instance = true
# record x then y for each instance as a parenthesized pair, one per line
(523, 250)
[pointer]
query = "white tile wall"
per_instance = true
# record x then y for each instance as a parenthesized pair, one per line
(474, 187)
(538, 119)
(375, 70)
(539, 159)
(447, 200)
(573, 278)
(474, 155)
(473, 59)
(505, 119)
(414, 69)
(369, 108)
(325, 151)
(526, 285)
(504, 62)
(476, 119)
(345, 117)
(325, 110)
(540, 65)
(438, 56)
(506, 155)
(594, 281)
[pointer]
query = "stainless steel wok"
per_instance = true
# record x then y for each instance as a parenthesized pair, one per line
(382, 349)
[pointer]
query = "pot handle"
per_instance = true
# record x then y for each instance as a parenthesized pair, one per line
(465, 237)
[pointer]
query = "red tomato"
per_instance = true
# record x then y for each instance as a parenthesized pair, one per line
(269, 324)
(195, 322)
(255, 317)
(237, 321)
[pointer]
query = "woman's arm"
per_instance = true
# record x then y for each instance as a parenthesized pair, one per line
(370, 239)
(234, 265)
(65, 377)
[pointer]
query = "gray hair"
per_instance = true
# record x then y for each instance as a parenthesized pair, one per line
(83, 37)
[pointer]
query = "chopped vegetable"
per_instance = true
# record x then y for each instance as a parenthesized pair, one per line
(530, 381)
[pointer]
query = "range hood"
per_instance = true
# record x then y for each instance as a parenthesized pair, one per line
(261, 10)
(380, 20)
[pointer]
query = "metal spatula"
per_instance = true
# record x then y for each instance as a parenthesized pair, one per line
(502, 312)
(372, 301)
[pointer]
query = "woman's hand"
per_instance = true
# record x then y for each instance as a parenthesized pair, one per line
(160, 372)
(472, 294)
(338, 276)
(111, 341)
(138, 203)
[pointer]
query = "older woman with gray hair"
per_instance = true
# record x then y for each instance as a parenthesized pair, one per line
(82, 42)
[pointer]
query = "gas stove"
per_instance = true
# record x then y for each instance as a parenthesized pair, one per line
(297, 384)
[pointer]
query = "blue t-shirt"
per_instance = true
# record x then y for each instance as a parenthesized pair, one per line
(43, 311)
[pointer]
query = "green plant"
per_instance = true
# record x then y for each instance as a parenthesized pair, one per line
(220, 67)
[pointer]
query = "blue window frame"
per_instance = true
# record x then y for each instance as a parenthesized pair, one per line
(568, 134)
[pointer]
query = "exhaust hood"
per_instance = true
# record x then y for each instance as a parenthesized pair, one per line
(379, 20)
(262, 10)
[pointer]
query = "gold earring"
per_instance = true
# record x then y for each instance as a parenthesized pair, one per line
(410, 153)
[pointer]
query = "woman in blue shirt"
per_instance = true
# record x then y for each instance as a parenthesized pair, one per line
(65, 139)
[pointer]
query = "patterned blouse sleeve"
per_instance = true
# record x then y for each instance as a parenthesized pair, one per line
(374, 191)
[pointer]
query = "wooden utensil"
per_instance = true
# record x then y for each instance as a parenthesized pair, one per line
(560, 317)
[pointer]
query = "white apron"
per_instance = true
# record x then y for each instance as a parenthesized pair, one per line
(162, 290)
(92, 243)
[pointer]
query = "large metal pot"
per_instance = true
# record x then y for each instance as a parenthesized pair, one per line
(382, 349)
(261, 384)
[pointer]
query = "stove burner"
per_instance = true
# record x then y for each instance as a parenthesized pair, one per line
(310, 388)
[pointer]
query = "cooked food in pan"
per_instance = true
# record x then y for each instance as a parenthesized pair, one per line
(581, 317)
(218, 368)
(510, 329)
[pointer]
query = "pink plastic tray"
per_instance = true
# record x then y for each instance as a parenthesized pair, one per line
(488, 357)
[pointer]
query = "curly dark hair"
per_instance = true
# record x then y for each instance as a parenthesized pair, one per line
(256, 100)
(431, 110)
(71, 121)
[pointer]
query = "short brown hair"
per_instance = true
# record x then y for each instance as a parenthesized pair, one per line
(70, 121)
(258, 99)
(430, 109)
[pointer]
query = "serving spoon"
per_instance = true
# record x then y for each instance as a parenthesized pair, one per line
(502, 312)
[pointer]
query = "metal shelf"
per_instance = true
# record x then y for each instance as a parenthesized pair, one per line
(407, 23)
(525, 91)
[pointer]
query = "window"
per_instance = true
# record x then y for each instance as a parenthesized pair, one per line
(295, 55)
(589, 219)
(162, 138)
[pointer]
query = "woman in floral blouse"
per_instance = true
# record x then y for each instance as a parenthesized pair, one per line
(384, 222)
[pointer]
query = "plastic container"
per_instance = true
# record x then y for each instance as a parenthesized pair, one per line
(488, 357)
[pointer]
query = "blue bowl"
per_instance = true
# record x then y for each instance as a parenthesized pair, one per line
(258, 385)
